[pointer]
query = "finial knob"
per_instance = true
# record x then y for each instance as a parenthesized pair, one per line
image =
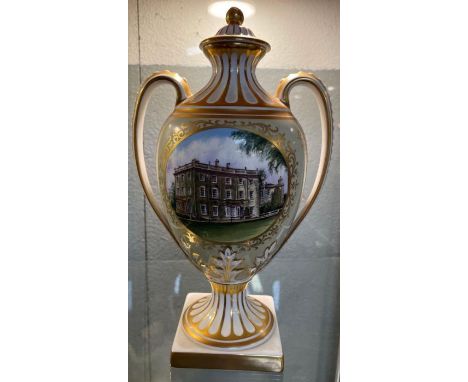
(234, 16)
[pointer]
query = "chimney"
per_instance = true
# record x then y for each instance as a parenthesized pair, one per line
(228, 164)
(216, 162)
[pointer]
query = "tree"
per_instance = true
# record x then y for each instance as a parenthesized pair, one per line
(277, 198)
(251, 143)
(262, 175)
(172, 195)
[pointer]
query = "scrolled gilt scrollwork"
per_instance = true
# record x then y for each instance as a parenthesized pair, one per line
(176, 137)
(198, 261)
(260, 260)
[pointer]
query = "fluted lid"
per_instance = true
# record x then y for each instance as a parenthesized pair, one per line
(234, 34)
(234, 19)
(233, 89)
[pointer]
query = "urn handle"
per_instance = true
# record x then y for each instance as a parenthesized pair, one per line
(144, 96)
(323, 100)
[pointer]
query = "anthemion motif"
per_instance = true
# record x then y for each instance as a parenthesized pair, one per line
(230, 165)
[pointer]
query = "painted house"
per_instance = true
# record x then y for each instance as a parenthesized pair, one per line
(212, 192)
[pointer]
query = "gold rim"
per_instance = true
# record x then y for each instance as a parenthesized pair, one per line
(235, 41)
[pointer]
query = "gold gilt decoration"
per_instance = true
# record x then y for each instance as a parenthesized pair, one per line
(176, 137)
(226, 266)
(260, 260)
(228, 317)
(198, 261)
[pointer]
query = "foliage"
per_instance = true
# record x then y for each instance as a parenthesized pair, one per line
(172, 194)
(251, 143)
(277, 198)
(262, 175)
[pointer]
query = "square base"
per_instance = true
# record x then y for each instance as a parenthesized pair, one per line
(267, 356)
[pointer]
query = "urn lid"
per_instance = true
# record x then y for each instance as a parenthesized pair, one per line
(234, 34)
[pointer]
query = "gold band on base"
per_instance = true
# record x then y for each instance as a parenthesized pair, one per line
(190, 354)
(228, 318)
(228, 361)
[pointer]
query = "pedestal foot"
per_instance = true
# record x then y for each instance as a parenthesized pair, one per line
(228, 318)
(263, 355)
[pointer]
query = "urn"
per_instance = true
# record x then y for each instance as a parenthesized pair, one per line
(230, 167)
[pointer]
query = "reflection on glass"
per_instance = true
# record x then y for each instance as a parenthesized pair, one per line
(130, 302)
(276, 289)
(257, 286)
(177, 284)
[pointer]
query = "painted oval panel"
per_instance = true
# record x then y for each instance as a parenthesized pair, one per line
(227, 185)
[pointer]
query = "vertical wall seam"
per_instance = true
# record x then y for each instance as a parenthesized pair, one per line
(139, 46)
(145, 230)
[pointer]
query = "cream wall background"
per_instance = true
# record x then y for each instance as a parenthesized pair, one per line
(304, 276)
(302, 33)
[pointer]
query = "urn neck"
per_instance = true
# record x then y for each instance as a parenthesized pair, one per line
(233, 89)
(233, 80)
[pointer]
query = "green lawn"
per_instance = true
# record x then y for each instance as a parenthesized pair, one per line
(230, 232)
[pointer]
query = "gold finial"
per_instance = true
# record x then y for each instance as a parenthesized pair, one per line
(234, 16)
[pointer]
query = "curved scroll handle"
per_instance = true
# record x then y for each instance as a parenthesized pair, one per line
(323, 100)
(144, 96)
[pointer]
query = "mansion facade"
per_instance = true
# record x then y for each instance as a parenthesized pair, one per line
(214, 193)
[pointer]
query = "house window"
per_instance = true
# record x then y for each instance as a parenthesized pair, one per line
(202, 191)
(202, 177)
(234, 212)
(228, 181)
(215, 210)
(251, 210)
(189, 191)
(228, 194)
(188, 176)
(251, 194)
(227, 211)
(214, 179)
(203, 209)
(214, 193)
(183, 191)
(183, 177)
(241, 194)
(250, 181)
